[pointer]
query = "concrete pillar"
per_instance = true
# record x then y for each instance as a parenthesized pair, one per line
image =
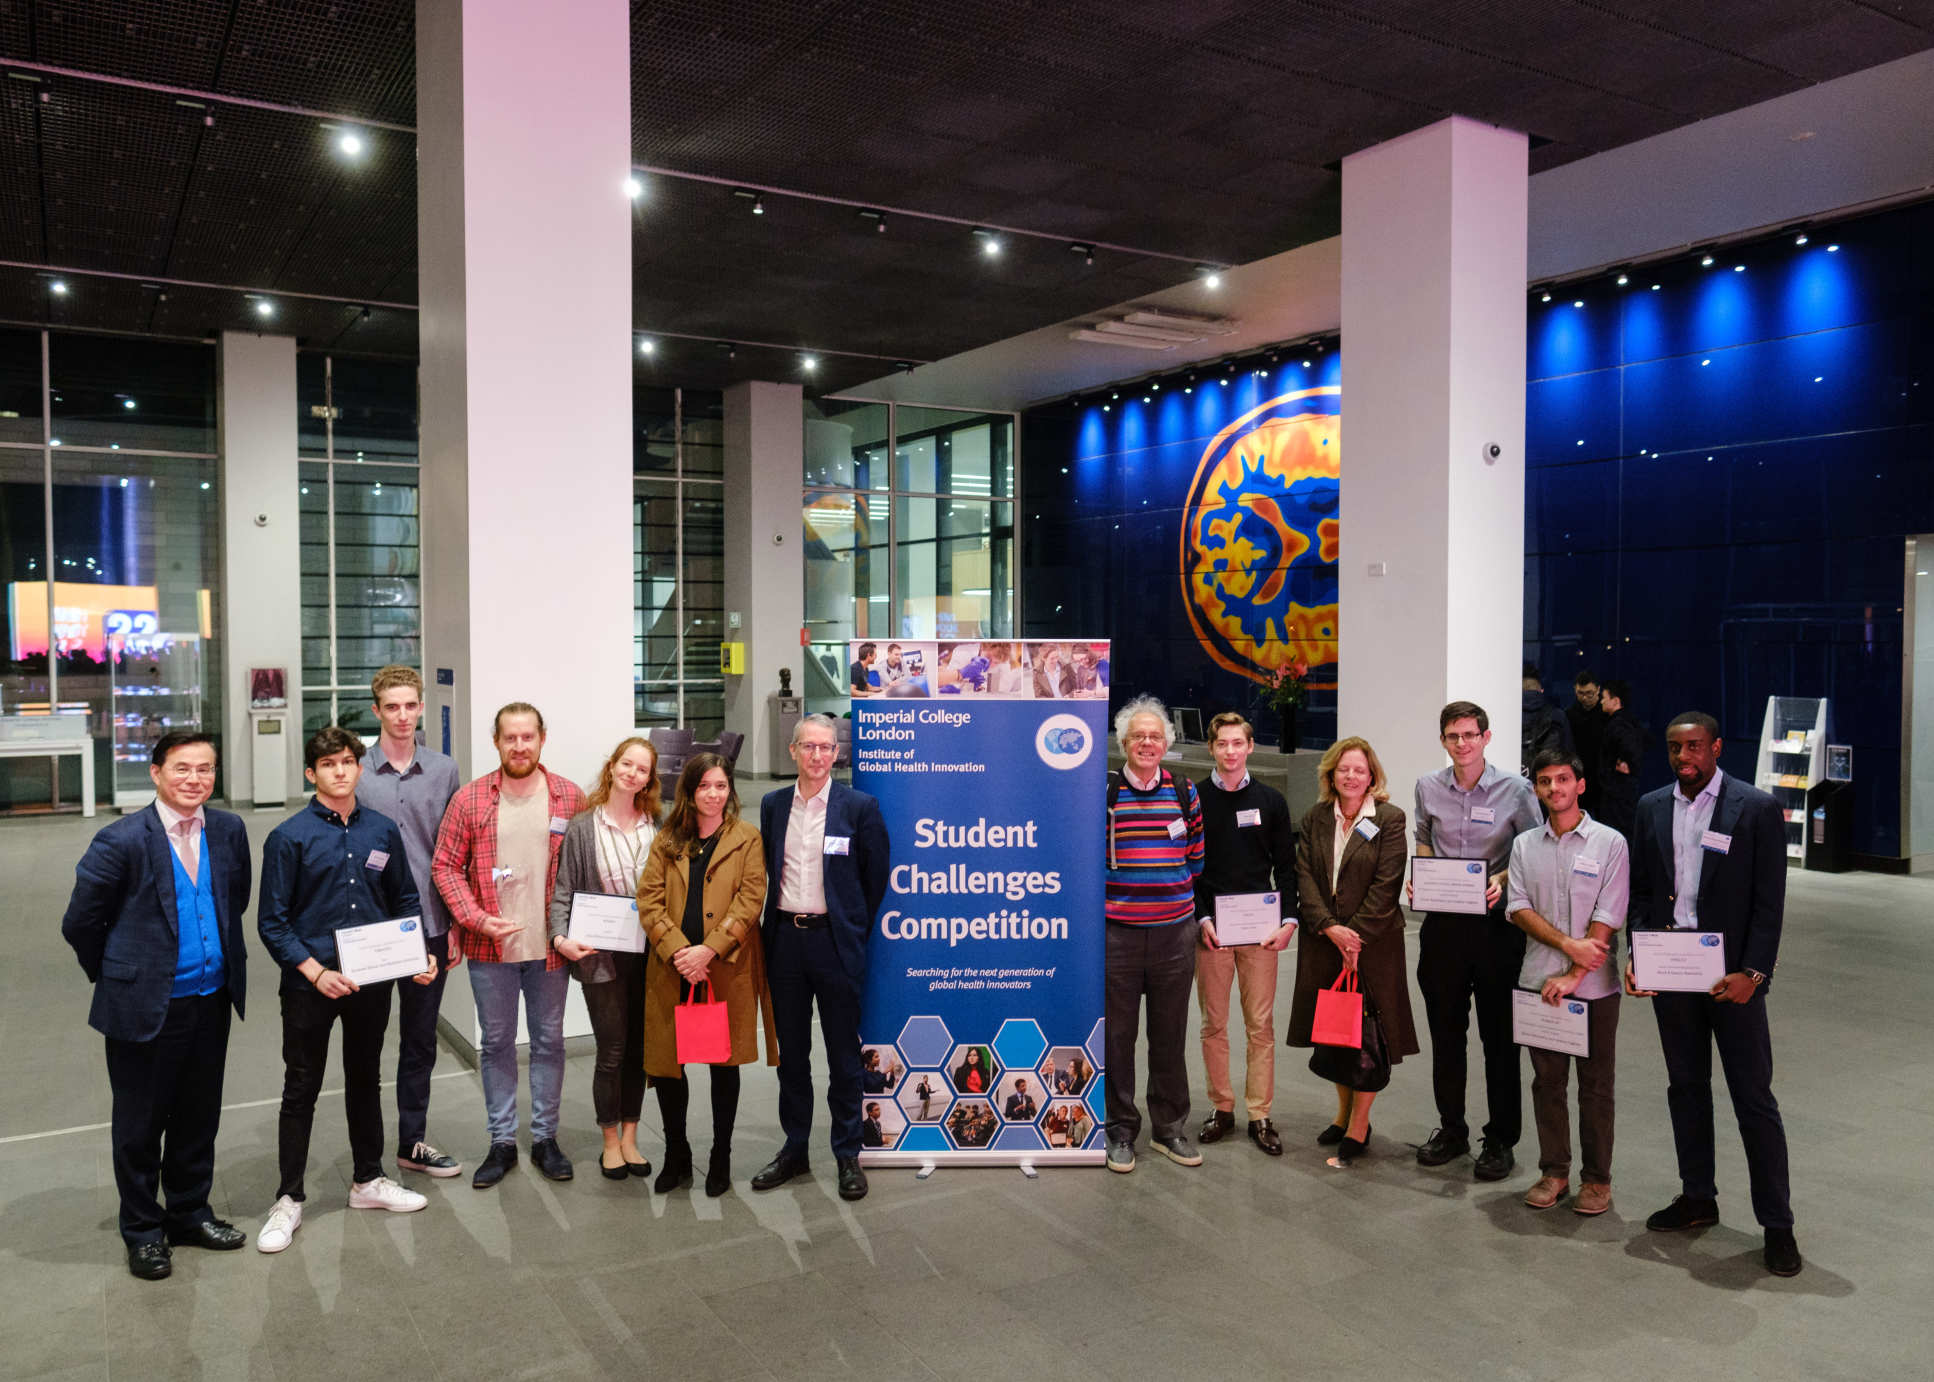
(765, 572)
(524, 234)
(1431, 556)
(261, 545)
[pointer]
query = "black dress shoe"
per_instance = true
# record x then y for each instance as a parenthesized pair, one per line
(549, 1158)
(497, 1161)
(1330, 1136)
(1782, 1253)
(1263, 1133)
(779, 1170)
(1216, 1126)
(718, 1172)
(1442, 1147)
(1683, 1213)
(216, 1235)
(852, 1180)
(1494, 1162)
(149, 1261)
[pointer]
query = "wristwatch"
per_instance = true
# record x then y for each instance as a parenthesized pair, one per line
(1755, 976)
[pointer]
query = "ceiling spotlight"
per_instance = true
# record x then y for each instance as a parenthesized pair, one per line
(1623, 279)
(1833, 249)
(1114, 394)
(990, 243)
(264, 308)
(1578, 302)
(634, 188)
(1800, 239)
(1305, 364)
(1087, 252)
(1544, 297)
(1105, 407)
(758, 206)
(904, 366)
(1705, 261)
(1655, 287)
(1212, 281)
(747, 194)
(350, 143)
(1155, 386)
(1144, 398)
(647, 346)
(878, 218)
(808, 363)
(58, 288)
(127, 403)
(1739, 268)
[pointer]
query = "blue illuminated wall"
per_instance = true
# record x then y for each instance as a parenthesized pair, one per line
(1721, 473)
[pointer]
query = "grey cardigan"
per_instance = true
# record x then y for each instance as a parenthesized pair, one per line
(577, 871)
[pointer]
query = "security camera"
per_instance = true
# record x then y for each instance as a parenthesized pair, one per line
(778, 539)
(1491, 452)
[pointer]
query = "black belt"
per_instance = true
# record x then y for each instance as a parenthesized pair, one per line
(808, 921)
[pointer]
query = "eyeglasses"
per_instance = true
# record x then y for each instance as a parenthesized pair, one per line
(815, 748)
(1148, 739)
(1462, 738)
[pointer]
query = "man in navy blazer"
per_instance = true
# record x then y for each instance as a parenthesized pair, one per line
(1709, 854)
(826, 869)
(156, 920)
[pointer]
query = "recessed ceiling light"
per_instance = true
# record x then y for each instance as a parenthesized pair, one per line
(1833, 249)
(350, 143)
(808, 363)
(1705, 261)
(1739, 268)
(1800, 239)
(1546, 297)
(1578, 302)
(1655, 287)
(127, 403)
(1623, 280)
(58, 288)
(634, 188)
(647, 346)
(264, 308)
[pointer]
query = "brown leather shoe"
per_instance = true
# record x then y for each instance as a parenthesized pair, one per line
(1547, 1192)
(1593, 1198)
(1216, 1126)
(1263, 1133)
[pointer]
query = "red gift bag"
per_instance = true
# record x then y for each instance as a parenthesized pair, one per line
(704, 1030)
(1339, 1013)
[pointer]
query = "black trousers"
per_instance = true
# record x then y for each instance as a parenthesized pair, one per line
(803, 967)
(1461, 960)
(1157, 962)
(675, 1101)
(306, 1019)
(417, 1006)
(617, 1009)
(1690, 1025)
(167, 1109)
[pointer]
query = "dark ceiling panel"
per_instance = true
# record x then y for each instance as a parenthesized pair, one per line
(20, 236)
(179, 43)
(114, 163)
(356, 58)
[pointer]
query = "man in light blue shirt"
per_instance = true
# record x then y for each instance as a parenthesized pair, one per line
(1570, 878)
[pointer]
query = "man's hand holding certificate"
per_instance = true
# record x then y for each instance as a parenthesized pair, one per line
(606, 922)
(1561, 1026)
(1248, 918)
(382, 950)
(1449, 885)
(1677, 961)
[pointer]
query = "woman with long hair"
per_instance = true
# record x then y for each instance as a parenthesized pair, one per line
(604, 851)
(699, 898)
(1350, 857)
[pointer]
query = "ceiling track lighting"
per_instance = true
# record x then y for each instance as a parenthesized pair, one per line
(877, 217)
(1210, 275)
(990, 243)
(747, 194)
(1086, 251)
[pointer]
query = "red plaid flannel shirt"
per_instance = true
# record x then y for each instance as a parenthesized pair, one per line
(466, 858)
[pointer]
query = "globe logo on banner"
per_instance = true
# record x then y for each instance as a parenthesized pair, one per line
(1259, 537)
(1709, 940)
(1063, 742)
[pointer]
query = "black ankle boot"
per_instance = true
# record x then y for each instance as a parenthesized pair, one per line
(678, 1167)
(718, 1175)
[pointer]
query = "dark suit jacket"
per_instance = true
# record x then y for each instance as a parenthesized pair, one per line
(121, 918)
(1742, 893)
(855, 881)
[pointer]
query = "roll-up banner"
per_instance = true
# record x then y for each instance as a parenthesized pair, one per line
(982, 1016)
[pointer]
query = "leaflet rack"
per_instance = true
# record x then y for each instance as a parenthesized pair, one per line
(1792, 758)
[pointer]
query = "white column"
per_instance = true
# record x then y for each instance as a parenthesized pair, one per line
(1431, 556)
(261, 544)
(765, 571)
(524, 233)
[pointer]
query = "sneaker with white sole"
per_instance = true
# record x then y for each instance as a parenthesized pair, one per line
(278, 1230)
(423, 1157)
(384, 1193)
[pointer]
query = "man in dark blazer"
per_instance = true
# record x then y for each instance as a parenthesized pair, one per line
(1709, 854)
(826, 869)
(156, 920)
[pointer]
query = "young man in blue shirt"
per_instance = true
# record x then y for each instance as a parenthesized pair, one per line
(333, 864)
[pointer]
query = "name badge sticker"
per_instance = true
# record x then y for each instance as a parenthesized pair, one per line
(1367, 828)
(1252, 816)
(1586, 868)
(1717, 843)
(1177, 828)
(378, 860)
(558, 823)
(1484, 815)
(839, 844)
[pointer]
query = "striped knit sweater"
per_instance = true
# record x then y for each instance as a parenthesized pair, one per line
(1151, 872)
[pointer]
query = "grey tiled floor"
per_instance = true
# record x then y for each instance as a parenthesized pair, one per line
(1245, 1266)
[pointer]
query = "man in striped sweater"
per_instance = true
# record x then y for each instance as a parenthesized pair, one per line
(1154, 855)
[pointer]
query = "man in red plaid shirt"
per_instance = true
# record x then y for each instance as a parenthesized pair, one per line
(495, 865)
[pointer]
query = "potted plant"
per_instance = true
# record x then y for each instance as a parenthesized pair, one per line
(1285, 692)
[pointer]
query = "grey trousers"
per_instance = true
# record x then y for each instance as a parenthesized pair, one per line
(1551, 1071)
(1156, 962)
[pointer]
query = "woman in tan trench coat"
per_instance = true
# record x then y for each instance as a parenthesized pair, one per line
(709, 935)
(1350, 856)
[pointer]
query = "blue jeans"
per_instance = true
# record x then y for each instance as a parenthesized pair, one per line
(496, 987)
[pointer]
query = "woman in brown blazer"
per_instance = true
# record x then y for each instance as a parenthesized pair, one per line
(705, 935)
(1351, 917)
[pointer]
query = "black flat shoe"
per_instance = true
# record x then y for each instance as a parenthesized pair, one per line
(1330, 1136)
(640, 1169)
(216, 1235)
(1349, 1149)
(779, 1170)
(149, 1261)
(622, 1171)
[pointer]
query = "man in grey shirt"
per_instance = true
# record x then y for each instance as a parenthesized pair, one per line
(412, 785)
(1471, 810)
(1570, 879)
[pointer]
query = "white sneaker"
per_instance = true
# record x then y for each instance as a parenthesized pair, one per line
(278, 1230)
(384, 1193)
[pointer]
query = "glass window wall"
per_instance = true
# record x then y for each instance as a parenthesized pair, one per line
(678, 561)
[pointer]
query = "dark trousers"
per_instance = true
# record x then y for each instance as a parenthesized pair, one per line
(167, 1109)
(675, 1101)
(804, 966)
(1551, 1072)
(1690, 1025)
(417, 1006)
(1157, 962)
(1461, 959)
(306, 1019)
(617, 1008)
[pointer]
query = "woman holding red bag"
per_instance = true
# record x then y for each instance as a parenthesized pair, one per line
(1350, 855)
(703, 935)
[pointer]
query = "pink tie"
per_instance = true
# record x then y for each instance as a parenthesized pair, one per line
(190, 856)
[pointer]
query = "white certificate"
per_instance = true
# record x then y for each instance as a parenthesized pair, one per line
(605, 922)
(381, 950)
(1449, 885)
(1247, 918)
(1678, 961)
(1564, 1027)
